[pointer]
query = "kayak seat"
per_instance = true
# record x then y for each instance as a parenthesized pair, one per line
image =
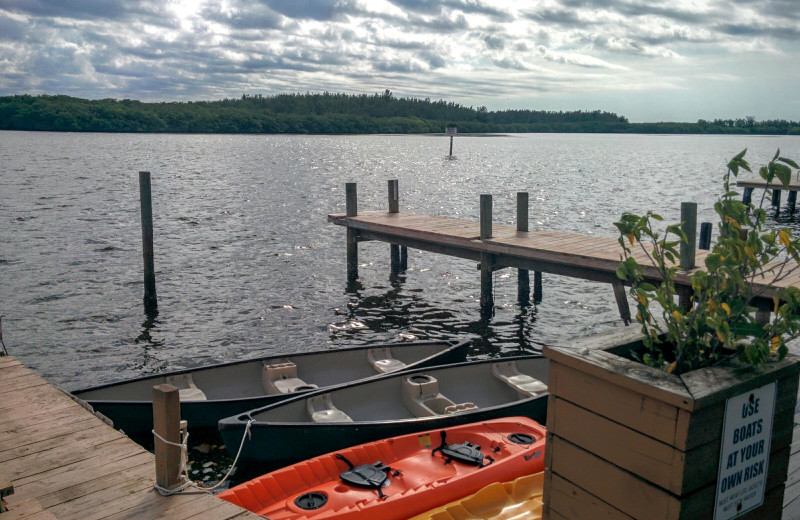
(187, 390)
(422, 398)
(320, 409)
(381, 359)
(281, 378)
(525, 385)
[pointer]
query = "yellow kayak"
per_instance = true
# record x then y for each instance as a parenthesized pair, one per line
(520, 499)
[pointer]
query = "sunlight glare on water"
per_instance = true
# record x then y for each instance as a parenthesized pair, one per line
(248, 266)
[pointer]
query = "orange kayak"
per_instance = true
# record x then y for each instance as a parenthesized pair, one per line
(399, 477)
(516, 500)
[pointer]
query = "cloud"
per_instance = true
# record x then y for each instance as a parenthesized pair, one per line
(581, 60)
(464, 50)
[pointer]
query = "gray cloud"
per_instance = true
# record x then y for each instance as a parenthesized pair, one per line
(457, 49)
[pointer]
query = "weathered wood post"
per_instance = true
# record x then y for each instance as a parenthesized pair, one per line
(792, 200)
(351, 210)
(523, 276)
(776, 198)
(688, 249)
(146, 204)
(486, 301)
(166, 424)
(747, 196)
(394, 207)
(705, 236)
(6, 489)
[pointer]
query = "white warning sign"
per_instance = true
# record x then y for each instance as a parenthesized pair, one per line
(744, 454)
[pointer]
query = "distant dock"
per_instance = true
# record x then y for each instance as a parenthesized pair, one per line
(58, 460)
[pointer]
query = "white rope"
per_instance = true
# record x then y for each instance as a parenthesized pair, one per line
(184, 467)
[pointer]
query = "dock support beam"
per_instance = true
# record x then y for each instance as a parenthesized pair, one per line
(776, 199)
(352, 234)
(146, 204)
(487, 300)
(747, 196)
(792, 200)
(688, 249)
(705, 236)
(398, 255)
(523, 275)
(622, 301)
(166, 424)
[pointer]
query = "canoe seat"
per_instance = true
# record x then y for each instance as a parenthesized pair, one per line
(381, 359)
(524, 384)
(281, 378)
(187, 390)
(321, 410)
(459, 408)
(422, 398)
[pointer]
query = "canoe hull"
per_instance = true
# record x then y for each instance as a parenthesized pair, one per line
(275, 443)
(134, 415)
(279, 445)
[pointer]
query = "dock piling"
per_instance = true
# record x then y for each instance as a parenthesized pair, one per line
(351, 210)
(688, 249)
(166, 425)
(792, 200)
(523, 275)
(486, 300)
(689, 227)
(394, 207)
(776, 198)
(705, 236)
(747, 196)
(146, 205)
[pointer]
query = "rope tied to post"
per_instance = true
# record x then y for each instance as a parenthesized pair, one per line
(184, 466)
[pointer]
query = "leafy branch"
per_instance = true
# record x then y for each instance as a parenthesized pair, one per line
(721, 313)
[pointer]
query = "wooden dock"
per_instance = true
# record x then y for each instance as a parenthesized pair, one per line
(58, 460)
(61, 461)
(501, 246)
(752, 184)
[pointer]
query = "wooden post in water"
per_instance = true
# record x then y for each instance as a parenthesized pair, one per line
(688, 249)
(166, 424)
(776, 199)
(486, 301)
(523, 276)
(394, 207)
(146, 204)
(705, 236)
(747, 196)
(792, 200)
(352, 234)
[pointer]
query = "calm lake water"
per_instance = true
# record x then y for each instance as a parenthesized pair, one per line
(247, 265)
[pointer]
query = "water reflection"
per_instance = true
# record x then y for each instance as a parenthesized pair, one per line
(397, 313)
(150, 363)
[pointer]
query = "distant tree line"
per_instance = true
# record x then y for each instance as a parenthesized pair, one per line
(329, 113)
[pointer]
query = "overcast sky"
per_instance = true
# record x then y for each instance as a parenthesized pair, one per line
(650, 60)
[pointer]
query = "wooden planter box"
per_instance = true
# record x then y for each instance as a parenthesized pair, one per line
(626, 441)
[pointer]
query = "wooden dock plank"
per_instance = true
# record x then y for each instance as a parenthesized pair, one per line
(794, 184)
(66, 463)
(581, 256)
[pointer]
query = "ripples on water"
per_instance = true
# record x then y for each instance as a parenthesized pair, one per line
(248, 266)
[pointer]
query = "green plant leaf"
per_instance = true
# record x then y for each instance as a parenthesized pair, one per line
(789, 162)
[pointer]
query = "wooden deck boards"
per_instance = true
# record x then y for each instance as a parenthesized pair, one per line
(580, 256)
(794, 184)
(66, 463)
